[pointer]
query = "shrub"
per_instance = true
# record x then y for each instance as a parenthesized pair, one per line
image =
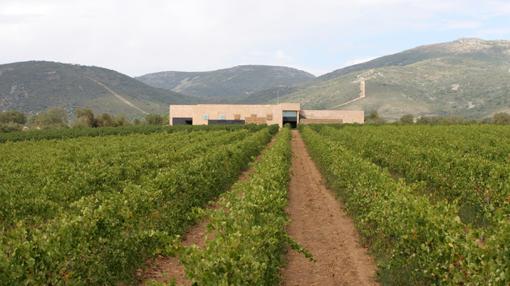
(407, 119)
(501, 118)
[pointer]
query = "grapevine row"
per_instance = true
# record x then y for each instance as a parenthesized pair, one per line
(106, 236)
(68, 133)
(416, 242)
(248, 226)
(479, 186)
(39, 186)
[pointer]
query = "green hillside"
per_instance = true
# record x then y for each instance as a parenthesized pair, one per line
(35, 86)
(235, 84)
(467, 77)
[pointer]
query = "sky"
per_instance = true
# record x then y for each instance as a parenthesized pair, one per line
(319, 36)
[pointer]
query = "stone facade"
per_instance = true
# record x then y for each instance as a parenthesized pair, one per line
(201, 114)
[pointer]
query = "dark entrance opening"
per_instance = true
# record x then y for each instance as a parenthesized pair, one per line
(291, 118)
(182, 121)
(225, 122)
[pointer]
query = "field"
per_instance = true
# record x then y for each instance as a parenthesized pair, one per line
(246, 205)
(431, 202)
(89, 210)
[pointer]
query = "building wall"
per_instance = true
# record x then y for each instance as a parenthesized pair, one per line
(258, 114)
(262, 113)
(332, 116)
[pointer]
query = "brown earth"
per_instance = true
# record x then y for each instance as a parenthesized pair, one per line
(164, 269)
(320, 224)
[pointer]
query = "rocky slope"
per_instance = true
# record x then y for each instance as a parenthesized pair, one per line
(35, 86)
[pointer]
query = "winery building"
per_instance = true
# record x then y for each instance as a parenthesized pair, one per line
(283, 113)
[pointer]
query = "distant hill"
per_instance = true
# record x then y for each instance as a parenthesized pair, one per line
(467, 77)
(36, 85)
(235, 84)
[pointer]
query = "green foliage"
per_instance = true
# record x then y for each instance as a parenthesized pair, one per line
(418, 240)
(120, 120)
(105, 120)
(84, 118)
(154, 119)
(442, 120)
(374, 118)
(501, 118)
(52, 118)
(96, 212)
(36, 135)
(447, 162)
(12, 117)
(248, 226)
(10, 127)
(407, 119)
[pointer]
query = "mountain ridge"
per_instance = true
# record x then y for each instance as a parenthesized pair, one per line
(34, 86)
(228, 84)
(468, 77)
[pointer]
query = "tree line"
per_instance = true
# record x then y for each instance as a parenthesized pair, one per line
(54, 118)
(501, 118)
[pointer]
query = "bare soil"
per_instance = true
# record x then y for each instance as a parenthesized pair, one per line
(320, 224)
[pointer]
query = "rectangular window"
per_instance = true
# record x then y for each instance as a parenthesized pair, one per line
(221, 117)
(205, 117)
(290, 114)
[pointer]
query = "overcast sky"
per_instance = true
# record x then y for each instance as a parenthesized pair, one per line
(138, 37)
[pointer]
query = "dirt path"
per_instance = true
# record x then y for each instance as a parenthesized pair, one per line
(165, 269)
(320, 224)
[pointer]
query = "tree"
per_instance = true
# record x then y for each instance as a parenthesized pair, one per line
(120, 121)
(104, 120)
(52, 118)
(154, 119)
(374, 118)
(85, 118)
(452, 120)
(407, 119)
(10, 127)
(13, 117)
(501, 118)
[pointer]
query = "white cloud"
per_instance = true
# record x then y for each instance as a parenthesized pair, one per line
(136, 37)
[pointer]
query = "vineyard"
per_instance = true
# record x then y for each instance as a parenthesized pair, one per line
(89, 210)
(432, 202)
(96, 207)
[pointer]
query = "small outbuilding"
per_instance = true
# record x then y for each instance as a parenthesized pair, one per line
(281, 114)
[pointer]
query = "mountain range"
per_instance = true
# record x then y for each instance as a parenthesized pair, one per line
(467, 77)
(236, 84)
